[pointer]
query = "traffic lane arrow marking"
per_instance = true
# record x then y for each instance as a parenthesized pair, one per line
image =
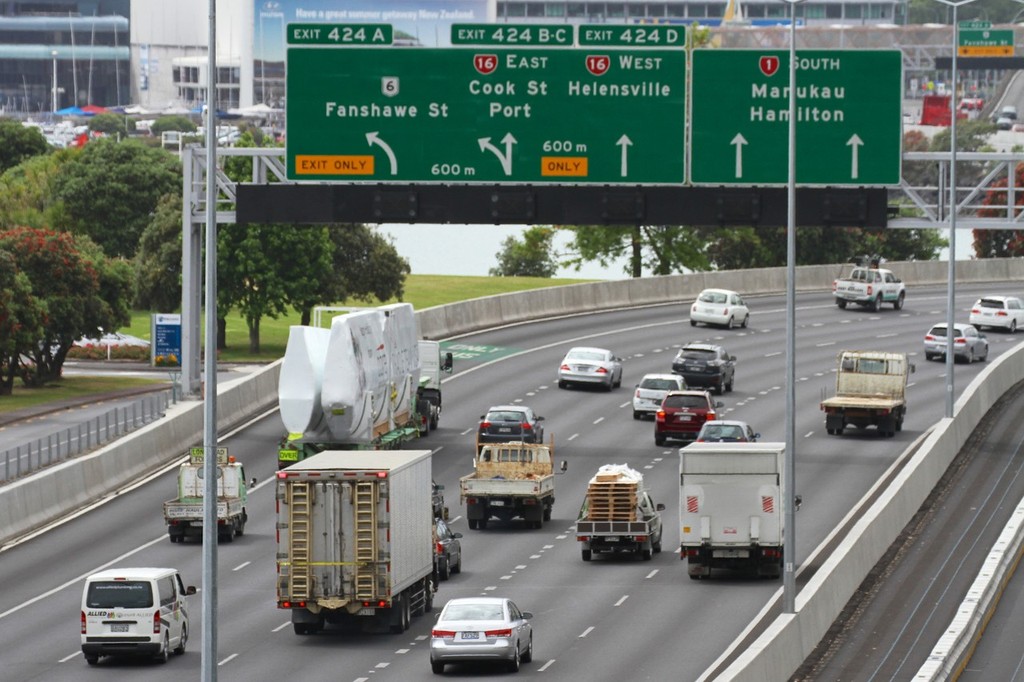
(373, 139)
(624, 142)
(739, 141)
(506, 158)
(854, 143)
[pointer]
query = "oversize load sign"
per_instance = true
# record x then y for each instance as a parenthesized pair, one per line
(487, 114)
(849, 117)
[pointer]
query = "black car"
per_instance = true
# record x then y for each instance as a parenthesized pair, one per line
(506, 423)
(705, 364)
(447, 550)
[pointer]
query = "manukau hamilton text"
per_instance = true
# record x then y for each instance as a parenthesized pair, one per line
(815, 103)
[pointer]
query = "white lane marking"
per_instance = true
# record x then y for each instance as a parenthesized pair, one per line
(420, 638)
(531, 393)
(548, 547)
(586, 632)
(505, 577)
(621, 600)
(560, 537)
(772, 355)
(626, 404)
(808, 434)
(382, 664)
(228, 659)
(888, 336)
(518, 400)
(469, 430)
(521, 566)
(657, 459)
(490, 588)
(826, 343)
(401, 651)
(535, 556)
(651, 574)
(545, 666)
(572, 437)
(240, 566)
(282, 626)
(599, 420)
(648, 466)
(68, 658)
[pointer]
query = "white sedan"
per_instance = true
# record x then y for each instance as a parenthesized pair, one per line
(721, 307)
(1006, 312)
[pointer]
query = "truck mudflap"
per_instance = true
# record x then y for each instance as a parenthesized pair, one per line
(765, 562)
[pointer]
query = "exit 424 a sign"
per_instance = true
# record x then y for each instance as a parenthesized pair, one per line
(848, 117)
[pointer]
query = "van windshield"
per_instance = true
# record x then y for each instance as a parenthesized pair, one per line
(124, 594)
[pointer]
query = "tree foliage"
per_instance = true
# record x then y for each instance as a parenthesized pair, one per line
(112, 124)
(1000, 243)
(82, 291)
(18, 142)
(22, 315)
(110, 188)
(180, 123)
(26, 195)
(157, 263)
(530, 257)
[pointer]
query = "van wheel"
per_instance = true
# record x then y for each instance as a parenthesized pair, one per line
(182, 642)
(165, 651)
(92, 660)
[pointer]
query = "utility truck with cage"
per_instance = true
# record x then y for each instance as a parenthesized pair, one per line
(510, 480)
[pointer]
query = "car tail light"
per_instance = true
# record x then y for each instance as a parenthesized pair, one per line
(709, 416)
(440, 548)
(601, 370)
(485, 425)
(870, 290)
(527, 427)
(507, 632)
(959, 341)
(565, 368)
(1001, 313)
(929, 337)
(637, 394)
(156, 622)
(443, 634)
(659, 416)
(83, 622)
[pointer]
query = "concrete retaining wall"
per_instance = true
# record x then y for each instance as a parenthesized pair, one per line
(31, 502)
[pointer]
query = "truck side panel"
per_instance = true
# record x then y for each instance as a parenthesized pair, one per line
(410, 521)
(731, 504)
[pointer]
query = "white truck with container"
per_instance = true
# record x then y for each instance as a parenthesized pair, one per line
(618, 515)
(355, 539)
(870, 391)
(731, 508)
(184, 514)
(510, 480)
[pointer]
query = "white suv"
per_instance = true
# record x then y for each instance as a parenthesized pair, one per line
(651, 390)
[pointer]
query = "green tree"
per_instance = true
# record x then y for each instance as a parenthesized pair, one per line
(110, 188)
(26, 194)
(179, 123)
(1000, 243)
(22, 316)
(81, 289)
(530, 257)
(158, 261)
(18, 142)
(112, 124)
(662, 249)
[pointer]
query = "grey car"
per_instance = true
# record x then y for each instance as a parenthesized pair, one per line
(508, 423)
(473, 629)
(968, 344)
(590, 366)
(448, 550)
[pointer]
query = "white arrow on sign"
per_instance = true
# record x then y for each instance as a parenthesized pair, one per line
(854, 143)
(506, 158)
(625, 143)
(739, 141)
(371, 139)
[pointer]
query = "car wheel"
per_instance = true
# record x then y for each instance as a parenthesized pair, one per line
(898, 305)
(693, 323)
(1013, 326)
(746, 320)
(970, 357)
(728, 386)
(658, 439)
(182, 641)
(636, 414)
(528, 654)
(730, 324)
(92, 660)
(443, 568)
(513, 665)
(562, 384)
(841, 303)
(984, 357)
(457, 568)
(472, 524)
(437, 667)
(610, 385)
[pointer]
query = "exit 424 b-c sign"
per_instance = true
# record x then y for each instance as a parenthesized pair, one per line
(487, 114)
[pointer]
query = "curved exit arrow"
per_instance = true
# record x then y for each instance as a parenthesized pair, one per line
(854, 143)
(372, 139)
(506, 158)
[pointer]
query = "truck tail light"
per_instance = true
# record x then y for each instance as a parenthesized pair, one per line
(443, 634)
(834, 286)
(83, 622)
(506, 632)
(579, 538)
(156, 622)
(291, 605)
(640, 538)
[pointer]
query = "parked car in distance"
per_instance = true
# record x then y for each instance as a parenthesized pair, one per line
(472, 629)
(682, 415)
(1005, 312)
(652, 390)
(506, 423)
(448, 550)
(968, 343)
(719, 307)
(593, 366)
(705, 364)
(727, 431)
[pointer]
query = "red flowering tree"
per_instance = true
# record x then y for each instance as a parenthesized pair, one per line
(1001, 243)
(81, 290)
(22, 316)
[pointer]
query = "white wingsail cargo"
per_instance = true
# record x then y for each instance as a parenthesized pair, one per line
(354, 396)
(302, 373)
(402, 349)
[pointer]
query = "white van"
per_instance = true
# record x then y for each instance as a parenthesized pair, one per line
(134, 612)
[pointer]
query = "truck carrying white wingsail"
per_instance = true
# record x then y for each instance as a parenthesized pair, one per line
(402, 350)
(301, 381)
(354, 396)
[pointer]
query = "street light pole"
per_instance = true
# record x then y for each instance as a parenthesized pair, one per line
(951, 273)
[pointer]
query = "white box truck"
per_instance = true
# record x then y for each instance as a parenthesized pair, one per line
(730, 507)
(355, 539)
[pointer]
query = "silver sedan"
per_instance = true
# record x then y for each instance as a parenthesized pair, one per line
(968, 343)
(481, 629)
(594, 366)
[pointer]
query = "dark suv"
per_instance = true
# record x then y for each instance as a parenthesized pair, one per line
(705, 364)
(682, 415)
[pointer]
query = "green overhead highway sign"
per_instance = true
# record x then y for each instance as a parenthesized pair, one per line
(339, 34)
(985, 43)
(486, 114)
(849, 117)
(513, 35)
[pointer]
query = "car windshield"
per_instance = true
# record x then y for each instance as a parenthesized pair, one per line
(505, 416)
(727, 432)
(592, 356)
(685, 401)
(990, 303)
(697, 354)
(713, 297)
(473, 612)
(938, 331)
(659, 384)
(124, 594)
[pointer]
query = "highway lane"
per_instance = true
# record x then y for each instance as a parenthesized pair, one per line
(642, 620)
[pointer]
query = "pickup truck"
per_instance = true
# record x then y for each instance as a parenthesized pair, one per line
(870, 391)
(184, 514)
(510, 480)
(869, 287)
(618, 515)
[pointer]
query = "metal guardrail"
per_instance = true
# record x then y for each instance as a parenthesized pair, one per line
(85, 437)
